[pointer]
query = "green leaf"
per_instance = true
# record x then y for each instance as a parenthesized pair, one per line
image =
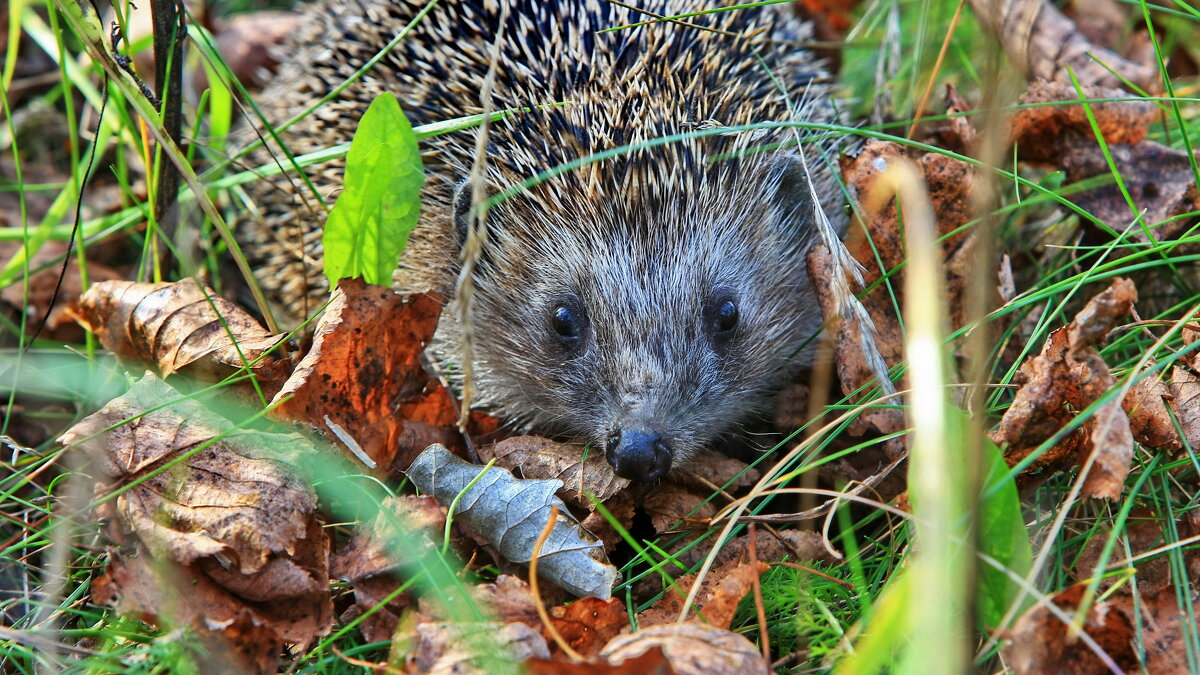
(1002, 535)
(369, 225)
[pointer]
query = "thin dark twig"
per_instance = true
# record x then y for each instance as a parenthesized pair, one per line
(75, 226)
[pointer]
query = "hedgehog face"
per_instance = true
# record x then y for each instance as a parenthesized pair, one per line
(645, 329)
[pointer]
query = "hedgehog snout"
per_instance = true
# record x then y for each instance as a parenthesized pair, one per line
(638, 454)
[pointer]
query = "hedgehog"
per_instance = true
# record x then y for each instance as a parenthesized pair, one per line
(648, 301)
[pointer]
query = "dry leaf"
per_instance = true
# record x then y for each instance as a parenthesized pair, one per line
(1042, 643)
(537, 457)
(373, 553)
(720, 592)
(951, 187)
(239, 498)
(1148, 417)
(35, 303)
(589, 623)
(1045, 45)
(1067, 376)
(174, 327)
(709, 470)
(462, 648)
(1158, 179)
(241, 637)
(234, 528)
(510, 514)
(692, 648)
(671, 507)
(508, 600)
(364, 372)
(651, 662)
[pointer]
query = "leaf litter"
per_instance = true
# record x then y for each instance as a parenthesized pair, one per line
(363, 384)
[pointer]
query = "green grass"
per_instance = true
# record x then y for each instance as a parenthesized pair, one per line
(1062, 258)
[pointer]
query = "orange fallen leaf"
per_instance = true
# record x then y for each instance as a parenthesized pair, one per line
(717, 600)
(589, 623)
(364, 375)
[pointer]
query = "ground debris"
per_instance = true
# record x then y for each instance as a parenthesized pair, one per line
(181, 327)
(212, 513)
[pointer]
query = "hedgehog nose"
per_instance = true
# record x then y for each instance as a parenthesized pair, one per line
(638, 455)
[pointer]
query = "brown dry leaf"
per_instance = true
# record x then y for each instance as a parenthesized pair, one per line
(651, 662)
(509, 600)
(372, 555)
(247, 44)
(174, 327)
(1041, 642)
(622, 508)
(537, 457)
(1185, 394)
(709, 470)
(720, 593)
(1069, 375)
(1148, 417)
(589, 623)
(692, 649)
(242, 637)
(240, 498)
(462, 648)
(671, 507)
(951, 186)
(792, 545)
(364, 372)
(1159, 179)
(1185, 391)
(234, 514)
(1045, 45)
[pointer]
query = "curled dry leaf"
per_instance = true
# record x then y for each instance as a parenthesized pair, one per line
(180, 327)
(462, 648)
(537, 457)
(691, 648)
(364, 372)
(1042, 643)
(1045, 45)
(1069, 375)
(1158, 179)
(717, 601)
(511, 513)
(235, 512)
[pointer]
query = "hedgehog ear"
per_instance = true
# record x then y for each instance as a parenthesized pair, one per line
(790, 192)
(463, 194)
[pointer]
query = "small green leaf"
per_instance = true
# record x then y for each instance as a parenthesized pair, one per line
(380, 205)
(1002, 535)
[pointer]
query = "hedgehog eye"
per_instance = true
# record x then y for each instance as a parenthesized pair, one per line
(727, 317)
(567, 319)
(721, 315)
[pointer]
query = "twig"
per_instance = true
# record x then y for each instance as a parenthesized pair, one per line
(537, 596)
(763, 636)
